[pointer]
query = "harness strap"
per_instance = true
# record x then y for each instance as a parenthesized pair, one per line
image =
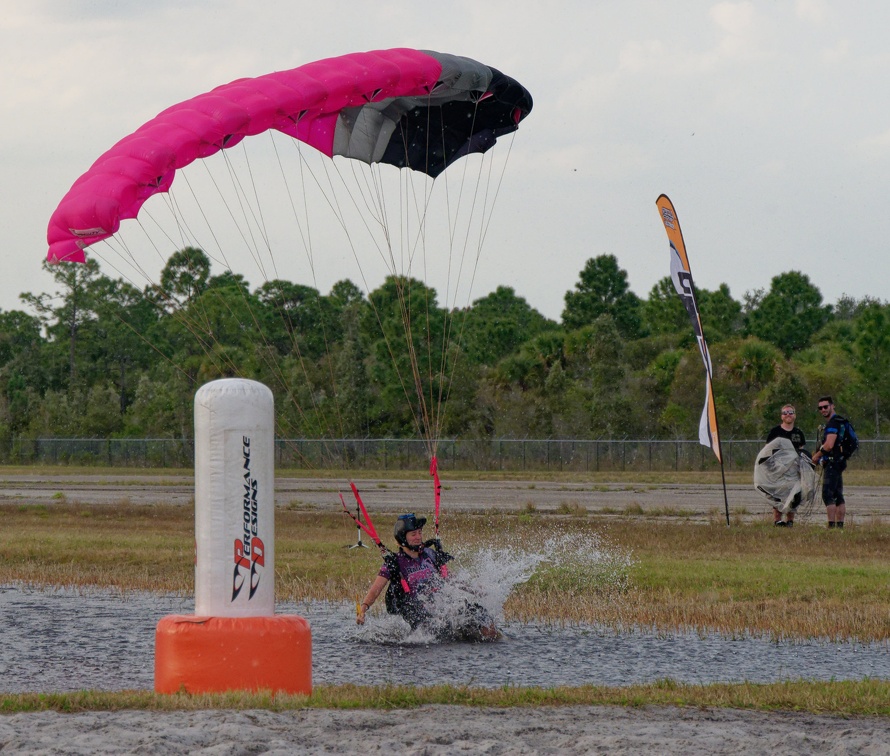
(391, 560)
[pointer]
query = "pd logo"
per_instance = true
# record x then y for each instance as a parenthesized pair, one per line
(248, 566)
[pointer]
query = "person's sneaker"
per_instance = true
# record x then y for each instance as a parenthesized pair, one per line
(789, 524)
(780, 524)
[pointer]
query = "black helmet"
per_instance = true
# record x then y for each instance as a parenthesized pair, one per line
(405, 524)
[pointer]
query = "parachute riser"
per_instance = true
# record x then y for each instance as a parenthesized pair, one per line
(437, 492)
(367, 525)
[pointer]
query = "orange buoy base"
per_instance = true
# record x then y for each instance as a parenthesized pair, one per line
(218, 654)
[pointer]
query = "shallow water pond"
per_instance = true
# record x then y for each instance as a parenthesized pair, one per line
(67, 640)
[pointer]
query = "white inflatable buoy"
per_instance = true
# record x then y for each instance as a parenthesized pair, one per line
(234, 641)
(234, 499)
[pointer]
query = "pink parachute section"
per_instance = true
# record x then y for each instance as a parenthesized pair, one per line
(303, 102)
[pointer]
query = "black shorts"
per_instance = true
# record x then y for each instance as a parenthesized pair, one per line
(833, 483)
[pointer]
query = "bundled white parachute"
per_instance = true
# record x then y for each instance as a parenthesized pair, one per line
(781, 473)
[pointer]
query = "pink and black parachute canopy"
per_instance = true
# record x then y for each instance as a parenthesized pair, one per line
(409, 108)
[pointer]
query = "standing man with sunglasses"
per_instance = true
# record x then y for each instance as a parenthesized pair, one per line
(829, 456)
(787, 429)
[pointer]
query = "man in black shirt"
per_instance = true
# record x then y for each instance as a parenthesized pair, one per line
(787, 429)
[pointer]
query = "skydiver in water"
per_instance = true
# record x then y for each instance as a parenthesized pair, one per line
(412, 576)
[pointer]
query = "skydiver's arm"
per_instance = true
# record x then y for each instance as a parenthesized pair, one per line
(373, 592)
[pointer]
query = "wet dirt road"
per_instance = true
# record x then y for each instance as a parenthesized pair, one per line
(699, 502)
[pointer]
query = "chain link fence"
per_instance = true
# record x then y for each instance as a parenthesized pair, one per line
(509, 455)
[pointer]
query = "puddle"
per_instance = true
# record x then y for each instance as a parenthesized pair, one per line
(68, 640)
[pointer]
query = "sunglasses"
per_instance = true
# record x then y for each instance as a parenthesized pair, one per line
(788, 412)
(824, 406)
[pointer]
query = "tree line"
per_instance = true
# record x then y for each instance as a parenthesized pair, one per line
(102, 358)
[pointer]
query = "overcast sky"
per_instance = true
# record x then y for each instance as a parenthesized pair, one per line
(766, 122)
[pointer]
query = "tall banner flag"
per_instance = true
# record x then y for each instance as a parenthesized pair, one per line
(681, 276)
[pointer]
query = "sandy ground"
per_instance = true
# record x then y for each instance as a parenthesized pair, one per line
(446, 730)
(692, 502)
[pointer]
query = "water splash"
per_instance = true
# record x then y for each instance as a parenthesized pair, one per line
(578, 560)
(484, 578)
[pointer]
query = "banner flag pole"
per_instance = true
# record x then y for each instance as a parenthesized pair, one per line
(681, 277)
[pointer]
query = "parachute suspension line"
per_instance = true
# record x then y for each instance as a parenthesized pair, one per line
(426, 395)
(425, 423)
(373, 201)
(434, 423)
(304, 229)
(474, 203)
(404, 281)
(445, 376)
(189, 238)
(309, 247)
(371, 195)
(257, 208)
(126, 254)
(199, 326)
(448, 371)
(305, 232)
(330, 197)
(319, 409)
(250, 243)
(497, 190)
(217, 245)
(403, 278)
(194, 327)
(186, 236)
(197, 332)
(377, 193)
(255, 212)
(487, 215)
(97, 250)
(244, 226)
(487, 212)
(278, 299)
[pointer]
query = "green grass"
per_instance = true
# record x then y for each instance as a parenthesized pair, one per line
(856, 698)
(750, 578)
